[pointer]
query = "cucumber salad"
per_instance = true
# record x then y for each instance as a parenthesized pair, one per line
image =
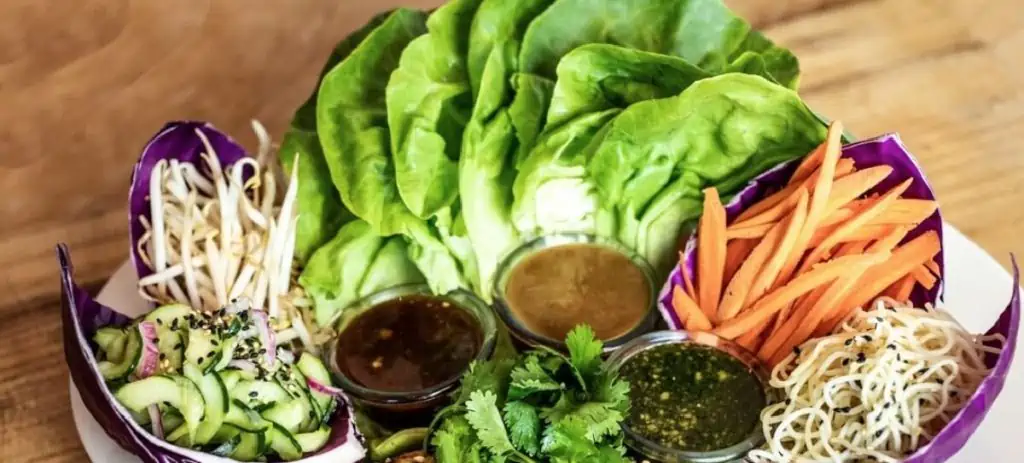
(217, 382)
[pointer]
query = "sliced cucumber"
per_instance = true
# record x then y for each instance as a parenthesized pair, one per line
(111, 342)
(177, 391)
(202, 349)
(245, 418)
(226, 433)
(289, 414)
(132, 353)
(215, 396)
(226, 447)
(313, 441)
(171, 421)
(172, 347)
(250, 446)
(284, 443)
(232, 377)
(179, 436)
(227, 349)
(165, 316)
(254, 393)
(312, 367)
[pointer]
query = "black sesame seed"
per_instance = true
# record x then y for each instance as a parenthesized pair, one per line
(879, 433)
(953, 393)
(848, 341)
(200, 360)
(253, 394)
(796, 350)
(162, 356)
(312, 414)
(846, 362)
(891, 347)
(887, 405)
(789, 401)
(159, 321)
(857, 382)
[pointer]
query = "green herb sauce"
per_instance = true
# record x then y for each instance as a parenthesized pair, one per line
(692, 398)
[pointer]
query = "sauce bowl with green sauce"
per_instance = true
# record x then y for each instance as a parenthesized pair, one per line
(400, 352)
(694, 397)
(548, 285)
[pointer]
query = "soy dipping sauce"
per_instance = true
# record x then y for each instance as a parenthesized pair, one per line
(409, 343)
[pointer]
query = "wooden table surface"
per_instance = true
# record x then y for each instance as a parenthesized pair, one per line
(83, 86)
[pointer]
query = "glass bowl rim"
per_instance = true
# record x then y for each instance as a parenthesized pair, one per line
(461, 298)
(733, 452)
(546, 241)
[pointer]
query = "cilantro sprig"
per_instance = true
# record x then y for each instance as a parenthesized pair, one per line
(541, 406)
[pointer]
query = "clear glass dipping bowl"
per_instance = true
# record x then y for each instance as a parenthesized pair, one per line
(523, 334)
(406, 406)
(654, 450)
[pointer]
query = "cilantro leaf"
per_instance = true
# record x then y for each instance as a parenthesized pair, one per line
(452, 440)
(609, 389)
(584, 350)
(566, 442)
(524, 426)
(483, 415)
(491, 376)
(530, 378)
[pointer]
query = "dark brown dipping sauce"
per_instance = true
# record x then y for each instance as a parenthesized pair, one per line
(555, 289)
(408, 344)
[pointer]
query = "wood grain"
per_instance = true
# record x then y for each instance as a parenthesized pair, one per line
(83, 86)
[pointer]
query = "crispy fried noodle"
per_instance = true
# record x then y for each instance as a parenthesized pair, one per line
(879, 388)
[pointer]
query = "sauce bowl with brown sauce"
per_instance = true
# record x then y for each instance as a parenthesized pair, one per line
(400, 352)
(550, 284)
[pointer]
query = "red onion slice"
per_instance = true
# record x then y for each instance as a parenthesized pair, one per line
(324, 388)
(156, 421)
(266, 335)
(150, 359)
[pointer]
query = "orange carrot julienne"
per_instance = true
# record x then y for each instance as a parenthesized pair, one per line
(736, 252)
(902, 212)
(848, 188)
(804, 327)
(809, 164)
(785, 325)
(748, 231)
(750, 340)
(903, 261)
(687, 309)
(865, 233)
(849, 227)
(775, 206)
(933, 266)
(771, 269)
(687, 281)
(772, 302)
(711, 252)
(904, 287)
(924, 277)
(736, 291)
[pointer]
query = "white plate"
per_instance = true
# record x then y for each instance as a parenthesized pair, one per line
(977, 292)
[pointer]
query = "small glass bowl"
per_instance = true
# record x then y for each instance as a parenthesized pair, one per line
(409, 406)
(654, 450)
(523, 334)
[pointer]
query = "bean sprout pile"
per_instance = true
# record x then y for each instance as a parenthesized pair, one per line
(215, 236)
(879, 388)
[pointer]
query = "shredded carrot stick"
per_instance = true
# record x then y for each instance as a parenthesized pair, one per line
(736, 252)
(848, 228)
(711, 252)
(771, 269)
(903, 261)
(809, 164)
(749, 340)
(865, 233)
(901, 212)
(842, 311)
(785, 325)
(774, 301)
(924, 277)
(850, 187)
(747, 232)
(840, 215)
(903, 288)
(774, 207)
(804, 327)
(736, 291)
(687, 310)
(687, 281)
(934, 267)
